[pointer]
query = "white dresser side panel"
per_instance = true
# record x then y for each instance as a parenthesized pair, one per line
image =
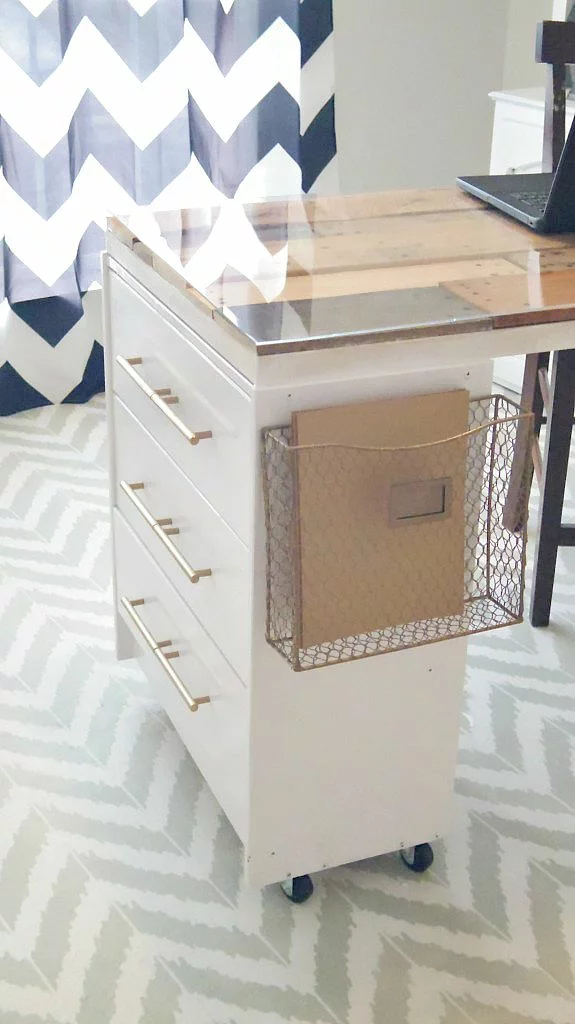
(353, 760)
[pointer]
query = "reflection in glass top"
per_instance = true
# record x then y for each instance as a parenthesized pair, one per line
(307, 269)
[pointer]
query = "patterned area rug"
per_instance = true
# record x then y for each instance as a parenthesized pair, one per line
(121, 900)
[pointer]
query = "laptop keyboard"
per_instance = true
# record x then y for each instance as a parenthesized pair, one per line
(535, 200)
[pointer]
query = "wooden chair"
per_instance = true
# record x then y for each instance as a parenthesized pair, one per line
(550, 400)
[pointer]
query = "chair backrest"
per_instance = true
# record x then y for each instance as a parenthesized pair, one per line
(554, 46)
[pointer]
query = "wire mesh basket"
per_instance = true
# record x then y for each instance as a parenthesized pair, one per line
(474, 572)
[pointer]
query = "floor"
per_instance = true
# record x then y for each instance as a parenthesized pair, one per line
(121, 900)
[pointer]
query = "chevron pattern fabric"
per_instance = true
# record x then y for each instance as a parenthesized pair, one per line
(121, 899)
(109, 104)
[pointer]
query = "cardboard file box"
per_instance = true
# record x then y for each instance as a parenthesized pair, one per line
(380, 519)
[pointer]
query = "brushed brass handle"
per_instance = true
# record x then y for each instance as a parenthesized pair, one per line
(156, 648)
(163, 528)
(162, 398)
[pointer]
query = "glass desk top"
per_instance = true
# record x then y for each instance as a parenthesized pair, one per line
(306, 272)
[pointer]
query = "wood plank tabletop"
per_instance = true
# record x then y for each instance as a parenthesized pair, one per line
(311, 271)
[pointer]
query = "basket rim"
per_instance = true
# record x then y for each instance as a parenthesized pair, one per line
(270, 433)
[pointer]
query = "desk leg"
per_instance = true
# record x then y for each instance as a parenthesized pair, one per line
(555, 463)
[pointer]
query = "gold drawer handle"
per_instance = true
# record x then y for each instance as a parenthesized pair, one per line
(163, 398)
(193, 703)
(162, 528)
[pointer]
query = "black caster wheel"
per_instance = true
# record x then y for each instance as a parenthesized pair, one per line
(419, 858)
(298, 889)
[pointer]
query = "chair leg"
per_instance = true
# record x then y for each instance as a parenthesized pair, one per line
(555, 463)
(515, 509)
(541, 362)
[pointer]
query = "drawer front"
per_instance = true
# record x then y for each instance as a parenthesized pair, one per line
(207, 402)
(204, 543)
(216, 734)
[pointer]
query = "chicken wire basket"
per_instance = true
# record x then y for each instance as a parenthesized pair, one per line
(475, 572)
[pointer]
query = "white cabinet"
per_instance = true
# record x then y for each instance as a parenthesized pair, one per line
(314, 769)
(517, 140)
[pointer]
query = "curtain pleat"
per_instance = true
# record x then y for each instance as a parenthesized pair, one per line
(107, 104)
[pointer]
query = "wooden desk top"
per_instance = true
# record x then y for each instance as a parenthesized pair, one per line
(313, 272)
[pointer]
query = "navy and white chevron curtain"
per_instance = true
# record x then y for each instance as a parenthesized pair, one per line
(109, 104)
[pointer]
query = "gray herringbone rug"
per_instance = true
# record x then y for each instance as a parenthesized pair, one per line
(120, 893)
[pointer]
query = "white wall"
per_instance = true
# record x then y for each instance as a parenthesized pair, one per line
(412, 84)
(521, 70)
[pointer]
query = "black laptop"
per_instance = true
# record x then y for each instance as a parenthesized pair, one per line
(545, 202)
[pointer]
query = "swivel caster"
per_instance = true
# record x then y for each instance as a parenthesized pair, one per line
(298, 889)
(418, 858)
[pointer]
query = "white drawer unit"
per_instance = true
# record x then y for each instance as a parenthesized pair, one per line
(196, 549)
(191, 679)
(199, 416)
(351, 759)
(273, 744)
